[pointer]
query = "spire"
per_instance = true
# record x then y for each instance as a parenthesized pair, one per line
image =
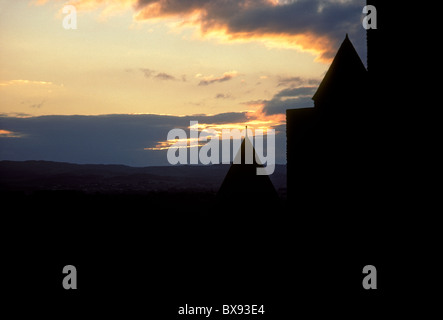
(242, 180)
(346, 75)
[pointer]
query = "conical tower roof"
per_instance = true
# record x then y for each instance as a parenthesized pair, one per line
(242, 178)
(345, 79)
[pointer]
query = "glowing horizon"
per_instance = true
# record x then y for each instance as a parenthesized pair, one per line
(138, 57)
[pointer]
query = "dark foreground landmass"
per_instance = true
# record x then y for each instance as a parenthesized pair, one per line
(30, 176)
(145, 243)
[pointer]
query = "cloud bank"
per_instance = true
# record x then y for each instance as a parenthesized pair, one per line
(317, 26)
(314, 25)
(104, 139)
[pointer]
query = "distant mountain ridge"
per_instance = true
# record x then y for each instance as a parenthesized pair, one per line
(109, 178)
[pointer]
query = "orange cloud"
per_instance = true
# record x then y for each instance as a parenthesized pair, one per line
(320, 46)
(9, 134)
(218, 29)
(315, 26)
(255, 120)
(211, 79)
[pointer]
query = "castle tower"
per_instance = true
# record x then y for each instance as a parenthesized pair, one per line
(326, 143)
(344, 83)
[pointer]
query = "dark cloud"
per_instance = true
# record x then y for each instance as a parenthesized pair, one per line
(254, 102)
(223, 96)
(296, 92)
(174, 6)
(152, 74)
(109, 139)
(289, 98)
(147, 72)
(277, 106)
(222, 118)
(296, 81)
(225, 77)
(322, 23)
(164, 76)
(15, 114)
(37, 105)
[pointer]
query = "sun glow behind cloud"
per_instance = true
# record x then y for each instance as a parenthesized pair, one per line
(226, 63)
(10, 134)
(317, 45)
(239, 49)
(257, 120)
(213, 20)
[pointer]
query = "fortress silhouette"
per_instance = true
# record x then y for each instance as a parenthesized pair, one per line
(339, 149)
(336, 151)
(326, 144)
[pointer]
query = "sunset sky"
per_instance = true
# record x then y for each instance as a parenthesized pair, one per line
(229, 62)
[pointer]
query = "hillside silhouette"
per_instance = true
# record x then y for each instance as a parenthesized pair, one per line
(30, 176)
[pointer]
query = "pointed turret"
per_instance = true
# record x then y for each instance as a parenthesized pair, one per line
(242, 179)
(344, 81)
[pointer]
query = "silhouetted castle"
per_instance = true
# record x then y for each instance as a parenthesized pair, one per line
(327, 144)
(338, 150)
